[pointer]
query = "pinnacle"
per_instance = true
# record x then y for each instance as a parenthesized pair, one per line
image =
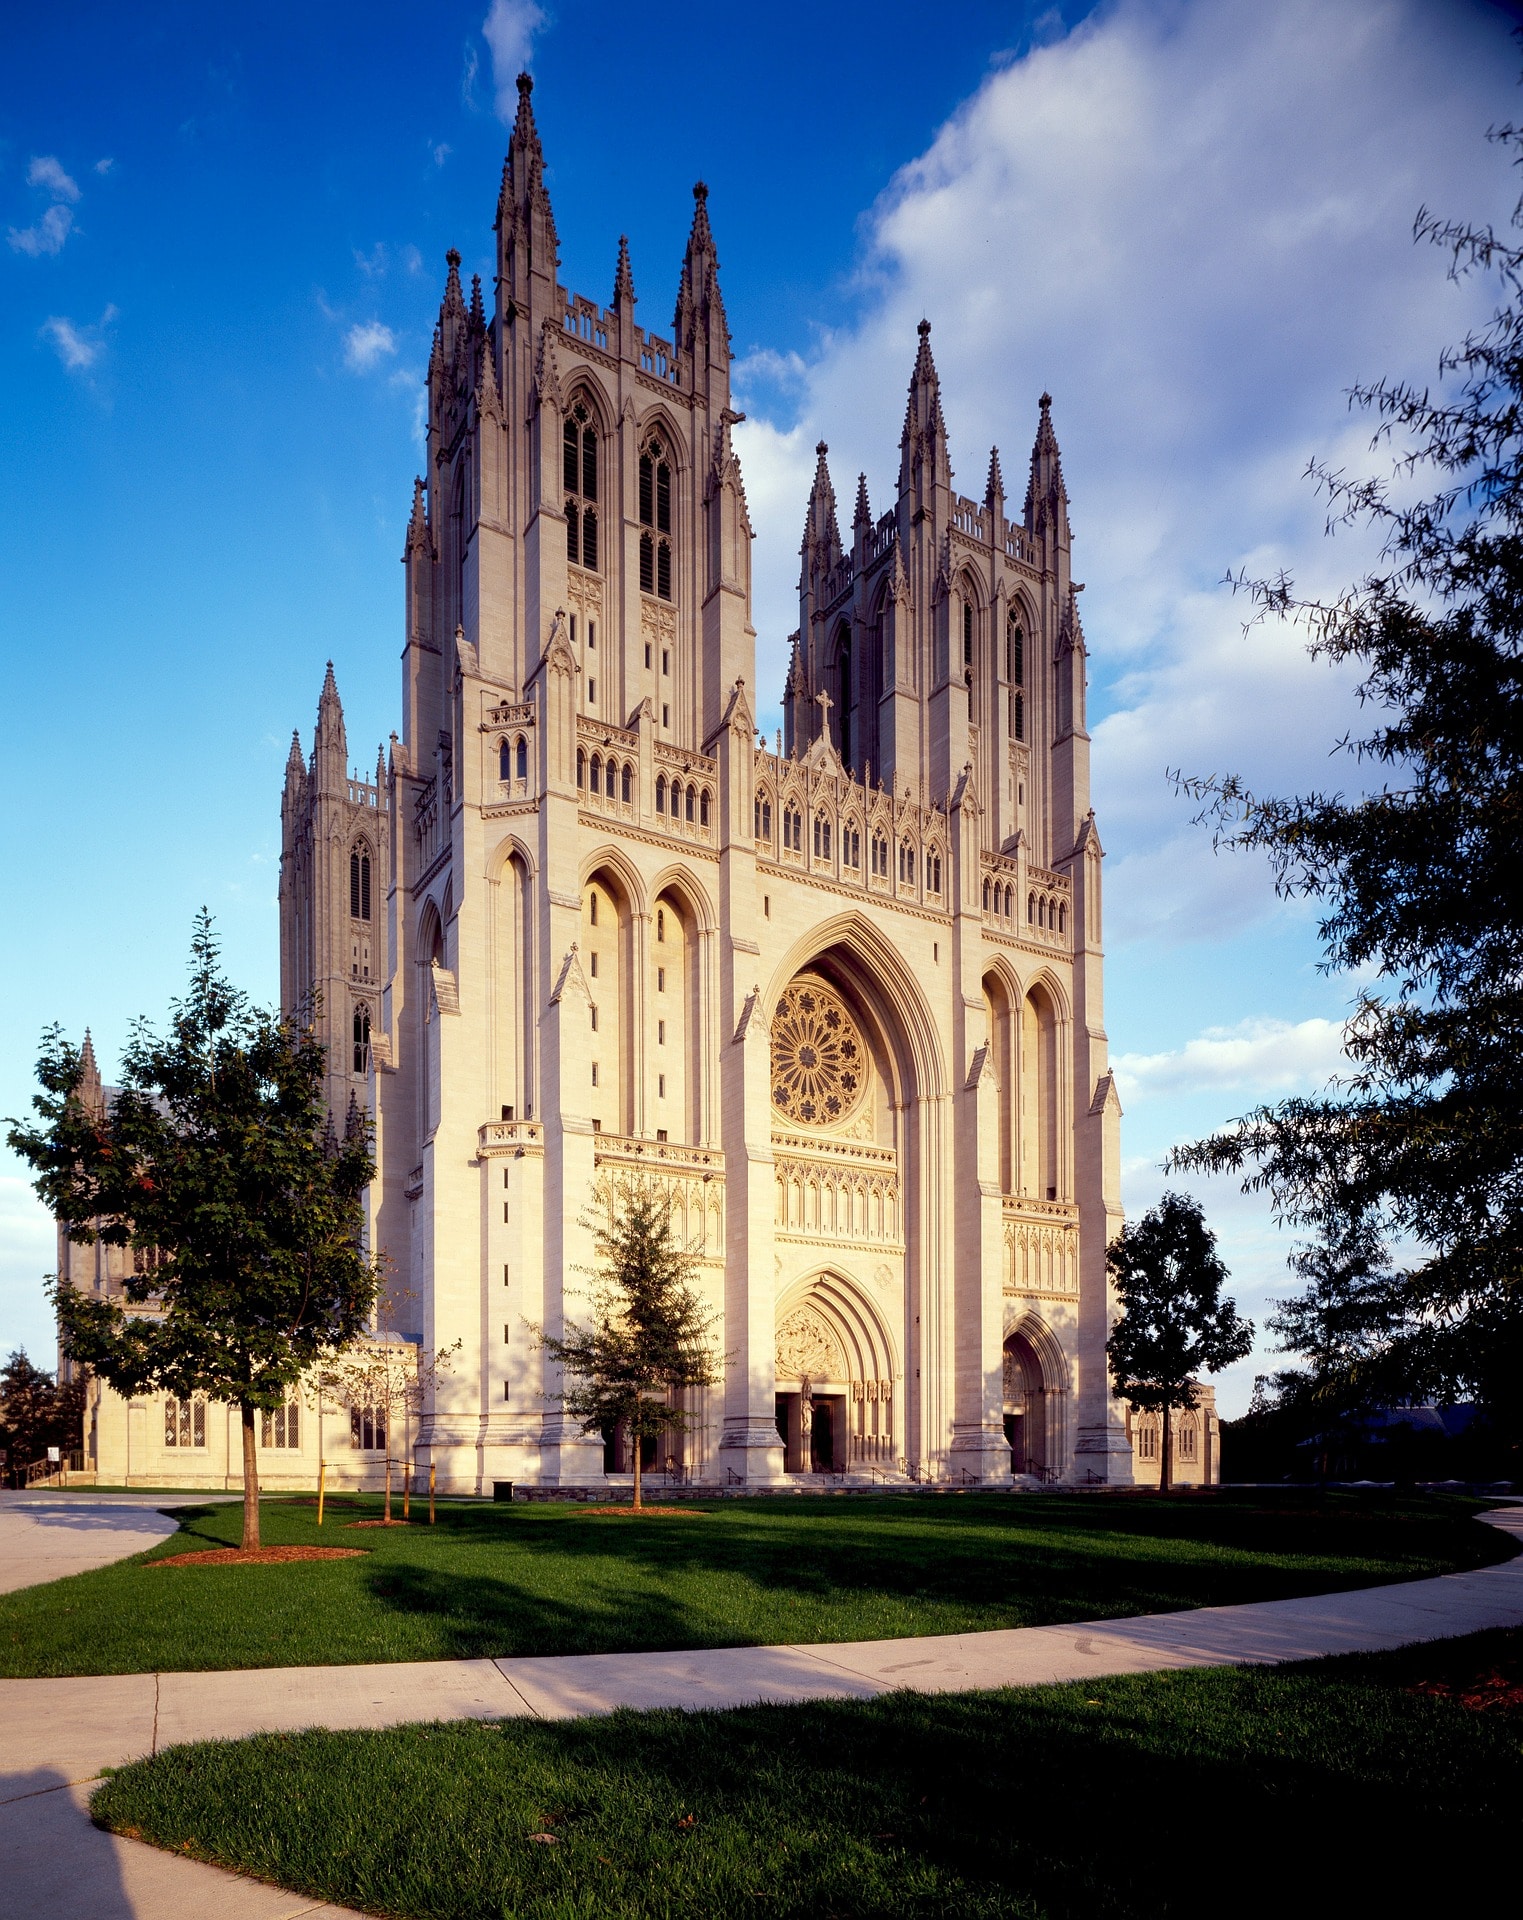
(702, 235)
(87, 1055)
(995, 487)
(295, 764)
(330, 685)
(478, 311)
(623, 279)
(864, 511)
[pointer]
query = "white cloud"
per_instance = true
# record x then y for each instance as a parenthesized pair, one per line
(105, 165)
(372, 264)
(1262, 1057)
(78, 347)
(47, 172)
(47, 236)
(367, 345)
(441, 152)
(1192, 224)
(509, 30)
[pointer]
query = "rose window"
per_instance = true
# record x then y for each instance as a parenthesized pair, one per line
(819, 1063)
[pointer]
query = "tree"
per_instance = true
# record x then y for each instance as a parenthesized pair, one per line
(216, 1153)
(1423, 1139)
(1174, 1323)
(37, 1411)
(649, 1340)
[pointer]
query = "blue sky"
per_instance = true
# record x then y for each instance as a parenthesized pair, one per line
(225, 231)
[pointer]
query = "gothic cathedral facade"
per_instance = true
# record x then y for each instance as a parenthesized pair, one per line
(840, 998)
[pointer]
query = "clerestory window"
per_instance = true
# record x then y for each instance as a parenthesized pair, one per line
(579, 451)
(656, 519)
(359, 885)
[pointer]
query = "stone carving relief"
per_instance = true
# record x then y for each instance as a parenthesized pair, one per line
(805, 1350)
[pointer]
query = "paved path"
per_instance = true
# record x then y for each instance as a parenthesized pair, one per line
(45, 1536)
(59, 1733)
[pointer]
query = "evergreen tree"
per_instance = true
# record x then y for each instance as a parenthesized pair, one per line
(1423, 1139)
(217, 1153)
(649, 1340)
(1174, 1323)
(37, 1411)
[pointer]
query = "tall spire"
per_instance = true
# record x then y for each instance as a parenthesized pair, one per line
(862, 518)
(1046, 495)
(477, 311)
(923, 459)
(525, 221)
(330, 747)
(699, 323)
(821, 544)
(88, 1086)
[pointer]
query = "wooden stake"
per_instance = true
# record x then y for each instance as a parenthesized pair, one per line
(322, 1488)
(407, 1491)
(431, 1471)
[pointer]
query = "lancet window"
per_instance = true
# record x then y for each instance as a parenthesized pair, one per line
(579, 453)
(763, 817)
(1015, 673)
(880, 856)
(793, 829)
(359, 884)
(821, 837)
(361, 1037)
(656, 519)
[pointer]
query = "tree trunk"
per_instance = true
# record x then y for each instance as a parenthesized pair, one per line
(639, 1449)
(250, 1480)
(1166, 1452)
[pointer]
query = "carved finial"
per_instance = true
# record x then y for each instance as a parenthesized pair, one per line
(525, 83)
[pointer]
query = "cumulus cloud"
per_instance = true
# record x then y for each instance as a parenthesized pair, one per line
(1192, 224)
(1264, 1056)
(78, 347)
(47, 236)
(105, 165)
(509, 30)
(47, 172)
(367, 345)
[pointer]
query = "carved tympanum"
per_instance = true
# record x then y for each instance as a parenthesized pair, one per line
(805, 1350)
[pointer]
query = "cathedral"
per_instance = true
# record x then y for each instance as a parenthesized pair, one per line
(839, 997)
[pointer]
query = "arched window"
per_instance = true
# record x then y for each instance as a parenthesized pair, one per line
(851, 847)
(661, 793)
(1031, 909)
(522, 752)
(504, 761)
(821, 837)
(907, 864)
(1018, 715)
(763, 817)
(688, 804)
(359, 884)
(880, 856)
(967, 634)
(987, 891)
(596, 781)
(611, 777)
(656, 518)
(361, 1031)
(579, 449)
(933, 872)
(793, 829)
(660, 925)
(581, 770)
(626, 783)
(1062, 918)
(703, 808)
(1015, 650)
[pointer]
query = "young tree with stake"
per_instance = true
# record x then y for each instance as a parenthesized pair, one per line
(1174, 1323)
(218, 1153)
(649, 1339)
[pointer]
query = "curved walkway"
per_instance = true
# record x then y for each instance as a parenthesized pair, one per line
(60, 1734)
(45, 1537)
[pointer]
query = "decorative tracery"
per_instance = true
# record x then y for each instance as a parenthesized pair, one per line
(819, 1060)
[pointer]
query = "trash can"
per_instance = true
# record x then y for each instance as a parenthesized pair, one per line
(502, 1489)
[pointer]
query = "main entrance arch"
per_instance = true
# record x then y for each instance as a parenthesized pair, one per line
(835, 1379)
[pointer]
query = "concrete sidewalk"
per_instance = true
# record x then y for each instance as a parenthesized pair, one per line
(45, 1537)
(63, 1732)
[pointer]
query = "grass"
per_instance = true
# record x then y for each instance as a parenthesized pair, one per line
(494, 1580)
(1331, 1787)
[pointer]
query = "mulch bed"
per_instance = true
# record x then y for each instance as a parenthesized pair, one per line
(256, 1556)
(1485, 1691)
(377, 1523)
(639, 1513)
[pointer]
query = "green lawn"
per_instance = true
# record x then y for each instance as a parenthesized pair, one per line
(490, 1580)
(1328, 1788)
